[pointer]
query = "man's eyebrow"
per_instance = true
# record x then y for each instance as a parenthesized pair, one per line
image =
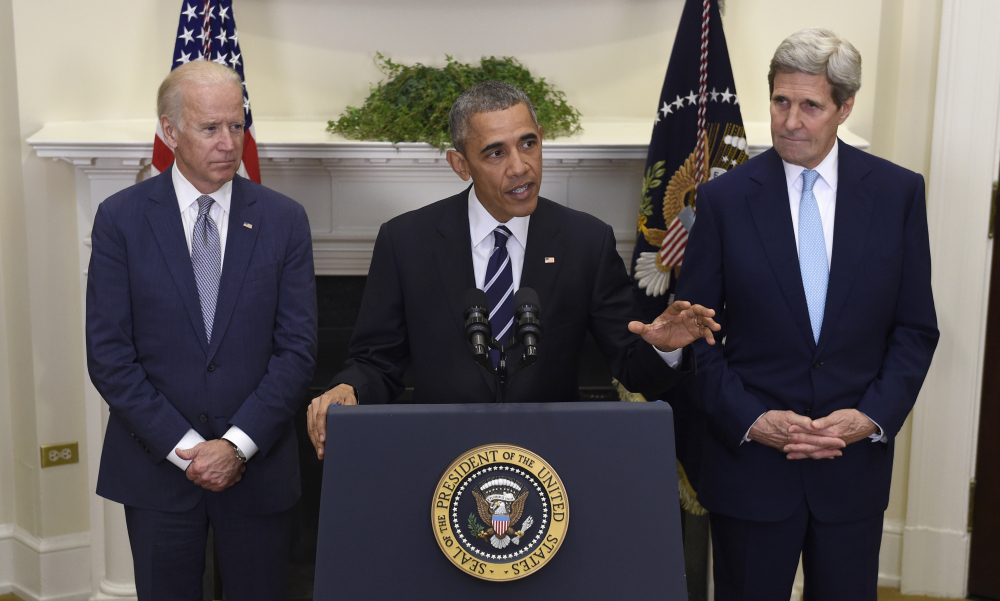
(495, 145)
(490, 147)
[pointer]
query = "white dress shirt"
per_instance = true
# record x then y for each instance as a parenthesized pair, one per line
(481, 226)
(187, 200)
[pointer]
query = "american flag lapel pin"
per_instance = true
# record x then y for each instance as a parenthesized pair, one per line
(248, 225)
(550, 259)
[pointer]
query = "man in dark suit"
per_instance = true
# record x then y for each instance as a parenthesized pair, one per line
(201, 337)
(498, 235)
(818, 256)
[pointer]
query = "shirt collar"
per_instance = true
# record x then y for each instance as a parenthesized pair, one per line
(187, 194)
(827, 169)
(482, 224)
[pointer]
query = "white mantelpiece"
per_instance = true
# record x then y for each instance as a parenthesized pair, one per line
(349, 189)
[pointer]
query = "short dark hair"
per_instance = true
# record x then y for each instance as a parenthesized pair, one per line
(485, 97)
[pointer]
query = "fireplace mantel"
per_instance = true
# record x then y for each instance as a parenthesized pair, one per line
(350, 187)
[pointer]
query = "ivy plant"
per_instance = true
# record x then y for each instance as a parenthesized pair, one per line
(412, 103)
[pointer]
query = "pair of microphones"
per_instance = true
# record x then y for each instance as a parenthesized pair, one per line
(527, 326)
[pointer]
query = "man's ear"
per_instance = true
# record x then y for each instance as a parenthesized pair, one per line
(459, 164)
(169, 132)
(845, 110)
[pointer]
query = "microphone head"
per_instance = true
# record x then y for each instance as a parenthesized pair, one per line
(525, 298)
(474, 298)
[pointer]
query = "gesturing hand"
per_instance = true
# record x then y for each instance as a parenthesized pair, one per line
(681, 324)
(341, 394)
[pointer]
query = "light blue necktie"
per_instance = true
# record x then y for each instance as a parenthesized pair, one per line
(812, 253)
(206, 258)
(500, 289)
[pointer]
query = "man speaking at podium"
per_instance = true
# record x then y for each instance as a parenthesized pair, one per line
(499, 236)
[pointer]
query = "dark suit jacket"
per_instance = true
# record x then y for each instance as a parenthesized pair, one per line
(150, 360)
(411, 311)
(878, 335)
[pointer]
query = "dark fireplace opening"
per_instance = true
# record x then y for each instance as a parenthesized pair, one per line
(339, 301)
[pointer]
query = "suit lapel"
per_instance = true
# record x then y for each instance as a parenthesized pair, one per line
(851, 226)
(453, 255)
(543, 243)
(165, 220)
(240, 240)
(452, 251)
(773, 219)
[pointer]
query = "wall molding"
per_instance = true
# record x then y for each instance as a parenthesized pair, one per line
(44, 569)
(946, 416)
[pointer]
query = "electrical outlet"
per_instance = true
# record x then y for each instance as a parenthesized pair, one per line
(60, 454)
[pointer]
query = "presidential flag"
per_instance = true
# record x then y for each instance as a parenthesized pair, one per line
(207, 31)
(697, 135)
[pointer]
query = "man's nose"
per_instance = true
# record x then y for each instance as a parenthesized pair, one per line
(516, 165)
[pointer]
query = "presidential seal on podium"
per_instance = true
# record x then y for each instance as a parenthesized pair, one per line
(500, 512)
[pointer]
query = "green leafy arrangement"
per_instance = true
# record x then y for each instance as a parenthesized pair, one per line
(412, 104)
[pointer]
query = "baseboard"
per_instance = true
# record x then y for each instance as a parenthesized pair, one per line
(890, 557)
(44, 569)
(934, 562)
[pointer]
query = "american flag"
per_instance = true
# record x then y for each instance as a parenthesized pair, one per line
(207, 31)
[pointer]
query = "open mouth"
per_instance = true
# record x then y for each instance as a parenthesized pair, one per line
(520, 191)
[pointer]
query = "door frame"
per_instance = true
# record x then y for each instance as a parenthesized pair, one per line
(964, 156)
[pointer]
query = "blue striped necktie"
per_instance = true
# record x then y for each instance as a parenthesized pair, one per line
(206, 258)
(813, 262)
(500, 289)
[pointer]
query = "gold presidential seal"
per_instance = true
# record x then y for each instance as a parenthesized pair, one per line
(500, 512)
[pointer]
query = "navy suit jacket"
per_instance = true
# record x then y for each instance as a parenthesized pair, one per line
(149, 357)
(411, 311)
(878, 335)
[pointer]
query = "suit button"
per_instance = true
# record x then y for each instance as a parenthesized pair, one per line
(817, 364)
(211, 366)
(203, 417)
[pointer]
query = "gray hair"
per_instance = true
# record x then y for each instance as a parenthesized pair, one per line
(819, 52)
(170, 97)
(485, 97)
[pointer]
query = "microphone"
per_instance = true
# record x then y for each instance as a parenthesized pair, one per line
(477, 325)
(529, 326)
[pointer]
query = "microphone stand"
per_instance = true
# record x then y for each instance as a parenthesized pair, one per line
(500, 372)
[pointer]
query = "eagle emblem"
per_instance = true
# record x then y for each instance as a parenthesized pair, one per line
(653, 270)
(500, 503)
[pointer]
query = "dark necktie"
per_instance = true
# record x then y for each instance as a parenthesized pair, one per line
(206, 258)
(500, 289)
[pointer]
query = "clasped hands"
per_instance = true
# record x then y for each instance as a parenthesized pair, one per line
(214, 464)
(802, 438)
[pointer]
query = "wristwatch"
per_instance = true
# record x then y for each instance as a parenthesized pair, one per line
(239, 454)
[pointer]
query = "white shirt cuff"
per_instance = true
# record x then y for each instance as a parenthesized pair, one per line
(879, 435)
(672, 358)
(190, 439)
(746, 437)
(240, 439)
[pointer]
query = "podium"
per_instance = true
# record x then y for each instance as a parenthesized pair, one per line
(384, 464)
